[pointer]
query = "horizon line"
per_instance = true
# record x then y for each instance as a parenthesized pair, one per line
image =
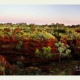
(38, 23)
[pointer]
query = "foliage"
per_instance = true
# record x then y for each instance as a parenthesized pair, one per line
(72, 35)
(38, 53)
(60, 31)
(19, 64)
(63, 49)
(45, 53)
(19, 45)
(2, 68)
(57, 35)
(40, 35)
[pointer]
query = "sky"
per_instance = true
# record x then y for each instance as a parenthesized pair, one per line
(40, 14)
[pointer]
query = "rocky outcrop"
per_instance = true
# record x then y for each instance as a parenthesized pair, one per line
(4, 62)
(27, 52)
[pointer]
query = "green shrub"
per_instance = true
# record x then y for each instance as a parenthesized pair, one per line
(19, 45)
(63, 50)
(45, 53)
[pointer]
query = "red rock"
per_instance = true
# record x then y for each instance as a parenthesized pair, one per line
(4, 62)
(1, 73)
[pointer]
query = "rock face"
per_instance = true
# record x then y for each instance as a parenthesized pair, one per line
(75, 48)
(4, 62)
(27, 52)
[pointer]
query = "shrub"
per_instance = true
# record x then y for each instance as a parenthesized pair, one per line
(45, 53)
(19, 45)
(63, 49)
